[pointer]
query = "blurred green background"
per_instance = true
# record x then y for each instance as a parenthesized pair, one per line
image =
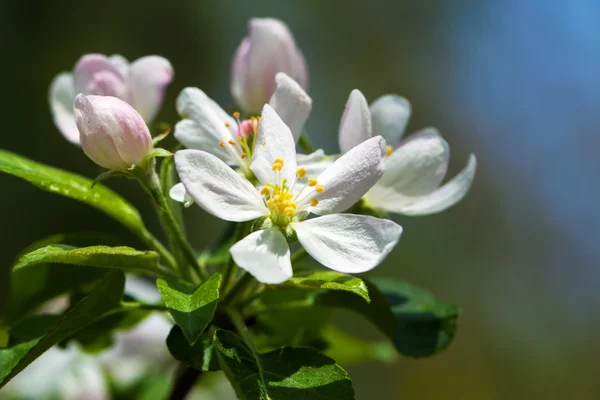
(515, 82)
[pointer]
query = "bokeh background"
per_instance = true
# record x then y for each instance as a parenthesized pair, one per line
(517, 82)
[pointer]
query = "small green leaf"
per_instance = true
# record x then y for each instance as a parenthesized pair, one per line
(332, 280)
(191, 308)
(32, 337)
(160, 152)
(424, 326)
(286, 374)
(74, 186)
(121, 257)
(199, 356)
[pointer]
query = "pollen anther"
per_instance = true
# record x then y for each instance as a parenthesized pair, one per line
(314, 202)
(222, 143)
(301, 172)
(319, 188)
(388, 150)
(312, 181)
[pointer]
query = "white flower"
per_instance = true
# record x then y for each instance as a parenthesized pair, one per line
(343, 242)
(206, 126)
(141, 84)
(414, 168)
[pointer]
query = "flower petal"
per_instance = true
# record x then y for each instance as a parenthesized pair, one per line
(390, 114)
(88, 67)
(179, 194)
(439, 200)
(61, 97)
(265, 254)
(193, 135)
(355, 125)
(291, 103)
(274, 140)
(217, 188)
(418, 165)
(347, 242)
(314, 163)
(350, 177)
(120, 63)
(148, 77)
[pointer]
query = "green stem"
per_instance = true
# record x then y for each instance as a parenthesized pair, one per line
(238, 288)
(151, 183)
(157, 246)
(239, 324)
(298, 255)
(305, 143)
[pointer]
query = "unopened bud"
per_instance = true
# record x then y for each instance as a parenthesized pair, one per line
(112, 133)
(268, 49)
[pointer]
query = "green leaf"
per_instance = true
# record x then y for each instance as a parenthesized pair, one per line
(191, 308)
(424, 326)
(349, 350)
(121, 257)
(286, 374)
(200, 356)
(411, 317)
(98, 336)
(294, 327)
(328, 279)
(74, 186)
(30, 287)
(159, 152)
(29, 339)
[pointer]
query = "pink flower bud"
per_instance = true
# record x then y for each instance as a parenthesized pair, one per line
(112, 133)
(268, 49)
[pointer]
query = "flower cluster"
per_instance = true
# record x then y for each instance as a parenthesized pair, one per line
(247, 168)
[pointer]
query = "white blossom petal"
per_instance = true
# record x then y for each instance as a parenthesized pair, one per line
(265, 254)
(291, 103)
(390, 114)
(217, 188)
(148, 77)
(314, 163)
(193, 135)
(120, 63)
(350, 177)
(61, 97)
(355, 125)
(419, 165)
(274, 140)
(439, 200)
(96, 74)
(179, 194)
(347, 242)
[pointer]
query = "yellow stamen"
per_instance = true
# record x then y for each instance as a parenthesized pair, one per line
(236, 114)
(319, 188)
(231, 142)
(265, 191)
(314, 202)
(388, 150)
(227, 124)
(222, 143)
(277, 164)
(243, 155)
(312, 181)
(301, 172)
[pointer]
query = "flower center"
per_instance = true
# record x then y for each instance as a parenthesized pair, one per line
(283, 201)
(242, 140)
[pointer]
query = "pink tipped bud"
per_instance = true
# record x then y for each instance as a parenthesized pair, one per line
(247, 127)
(268, 49)
(112, 133)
